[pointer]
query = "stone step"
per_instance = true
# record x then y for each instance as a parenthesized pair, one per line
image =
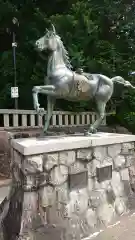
(4, 188)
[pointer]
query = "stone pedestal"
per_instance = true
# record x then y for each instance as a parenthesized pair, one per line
(72, 185)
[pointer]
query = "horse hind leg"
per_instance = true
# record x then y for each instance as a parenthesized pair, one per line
(101, 105)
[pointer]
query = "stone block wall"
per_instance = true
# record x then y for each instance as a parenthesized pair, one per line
(5, 157)
(78, 188)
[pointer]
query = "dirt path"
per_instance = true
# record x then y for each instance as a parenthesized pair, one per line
(122, 230)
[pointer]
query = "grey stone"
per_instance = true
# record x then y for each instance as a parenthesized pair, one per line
(92, 166)
(110, 195)
(130, 160)
(114, 150)
(131, 151)
(124, 174)
(125, 151)
(84, 154)
(132, 177)
(30, 181)
(107, 160)
(67, 157)
(78, 180)
(42, 179)
(128, 146)
(128, 149)
(57, 215)
(32, 164)
(62, 193)
(62, 210)
(119, 162)
(116, 184)
(105, 184)
(17, 158)
(78, 202)
(106, 213)
(132, 184)
(84, 228)
(91, 218)
(100, 153)
(47, 196)
(96, 184)
(90, 184)
(58, 175)
(30, 204)
(77, 167)
(16, 173)
(50, 160)
(119, 205)
(127, 187)
(132, 171)
(96, 198)
(4, 192)
(57, 202)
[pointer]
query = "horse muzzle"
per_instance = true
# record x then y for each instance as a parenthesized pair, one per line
(131, 73)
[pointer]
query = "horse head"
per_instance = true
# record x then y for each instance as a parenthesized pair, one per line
(49, 41)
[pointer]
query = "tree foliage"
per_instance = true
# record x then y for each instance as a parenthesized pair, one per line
(99, 36)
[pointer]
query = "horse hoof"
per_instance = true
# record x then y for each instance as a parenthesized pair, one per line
(41, 111)
(91, 131)
(87, 134)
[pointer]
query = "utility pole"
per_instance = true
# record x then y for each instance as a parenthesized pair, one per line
(14, 90)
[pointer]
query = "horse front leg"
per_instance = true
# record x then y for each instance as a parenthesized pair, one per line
(35, 98)
(47, 90)
(50, 106)
(101, 114)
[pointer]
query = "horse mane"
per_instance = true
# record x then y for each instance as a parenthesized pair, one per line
(64, 53)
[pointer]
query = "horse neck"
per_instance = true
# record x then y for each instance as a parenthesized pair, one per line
(55, 62)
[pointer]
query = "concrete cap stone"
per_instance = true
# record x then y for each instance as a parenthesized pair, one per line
(32, 146)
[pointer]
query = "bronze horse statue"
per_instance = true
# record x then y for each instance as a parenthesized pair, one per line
(63, 83)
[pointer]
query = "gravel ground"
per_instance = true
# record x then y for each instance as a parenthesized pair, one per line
(123, 230)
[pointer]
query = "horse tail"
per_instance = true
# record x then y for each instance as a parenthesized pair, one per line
(118, 79)
(122, 81)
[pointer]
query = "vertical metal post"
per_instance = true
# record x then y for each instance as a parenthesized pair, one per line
(15, 24)
(14, 45)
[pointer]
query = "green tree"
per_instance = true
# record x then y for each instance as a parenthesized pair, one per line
(99, 36)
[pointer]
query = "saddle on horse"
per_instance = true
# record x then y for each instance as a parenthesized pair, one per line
(87, 75)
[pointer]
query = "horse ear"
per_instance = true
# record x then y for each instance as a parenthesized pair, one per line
(53, 28)
(47, 31)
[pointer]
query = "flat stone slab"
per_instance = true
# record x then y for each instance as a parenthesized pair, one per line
(30, 146)
(4, 191)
